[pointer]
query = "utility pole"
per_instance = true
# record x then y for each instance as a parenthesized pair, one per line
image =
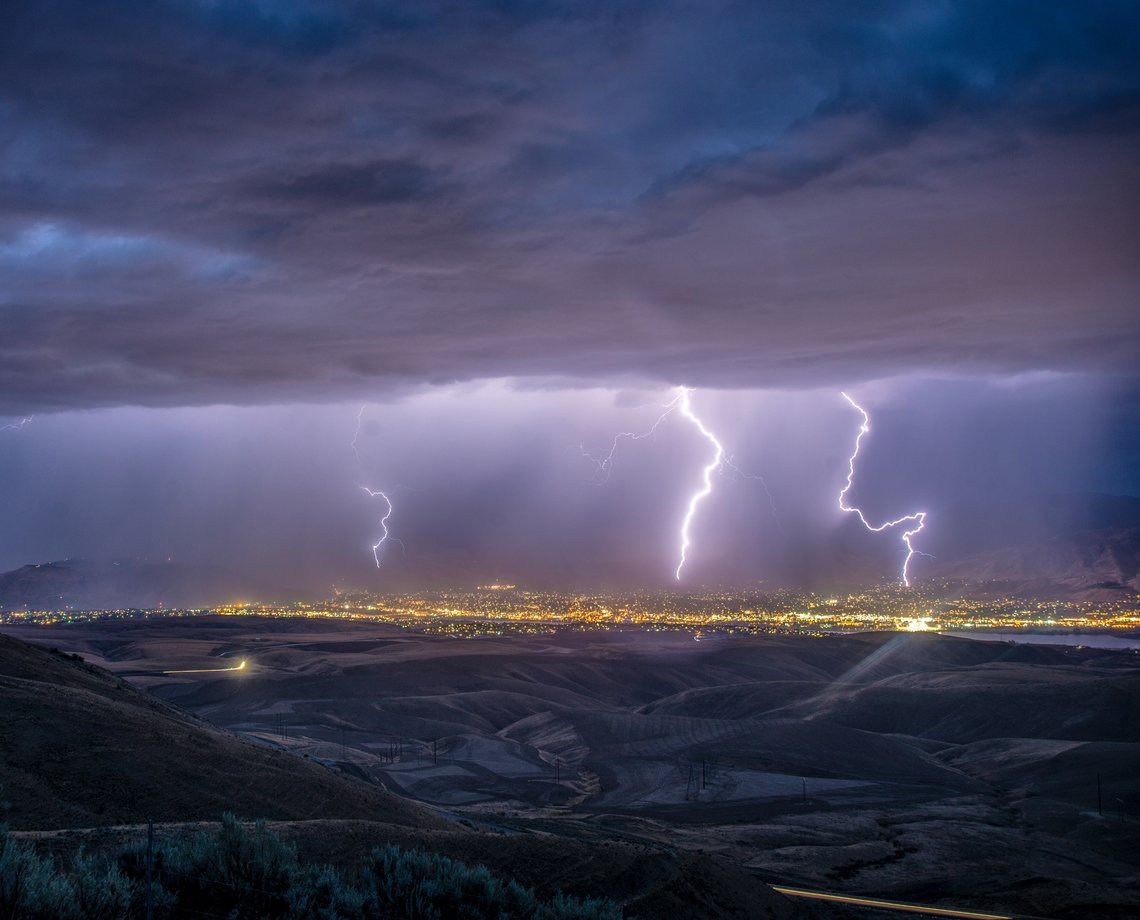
(149, 867)
(1099, 807)
(804, 781)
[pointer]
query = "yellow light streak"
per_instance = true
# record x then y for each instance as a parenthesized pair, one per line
(240, 667)
(888, 905)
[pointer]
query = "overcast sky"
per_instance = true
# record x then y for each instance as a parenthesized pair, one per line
(226, 226)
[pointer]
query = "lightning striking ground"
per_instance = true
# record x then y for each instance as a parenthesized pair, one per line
(698, 496)
(918, 517)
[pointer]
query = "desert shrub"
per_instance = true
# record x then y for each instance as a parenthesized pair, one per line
(99, 891)
(322, 893)
(237, 873)
(131, 862)
(562, 907)
(414, 885)
(30, 887)
(246, 873)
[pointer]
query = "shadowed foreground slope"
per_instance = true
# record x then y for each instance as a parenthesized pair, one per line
(82, 747)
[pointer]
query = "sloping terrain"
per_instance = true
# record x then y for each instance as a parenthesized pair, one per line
(1090, 565)
(81, 747)
(919, 767)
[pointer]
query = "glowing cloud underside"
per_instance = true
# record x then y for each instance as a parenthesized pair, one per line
(918, 517)
(710, 468)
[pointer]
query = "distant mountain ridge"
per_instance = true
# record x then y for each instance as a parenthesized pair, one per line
(84, 584)
(1094, 565)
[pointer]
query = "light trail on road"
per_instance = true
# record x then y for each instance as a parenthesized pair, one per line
(239, 667)
(888, 905)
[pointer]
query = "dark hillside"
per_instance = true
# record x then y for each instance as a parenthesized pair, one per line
(82, 747)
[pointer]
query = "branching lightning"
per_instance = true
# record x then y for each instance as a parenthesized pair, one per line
(383, 521)
(729, 463)
(721, 461)
(918, 517)
(604, 463)
(17, 426)
(717, 462)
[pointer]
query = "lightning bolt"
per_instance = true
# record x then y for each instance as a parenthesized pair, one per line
(17, 426)
(686, 408)
(918, 517)
(681, 402)
(604, 463)
(731, 464)
(374, 493)
(383, 521)
(356, 435)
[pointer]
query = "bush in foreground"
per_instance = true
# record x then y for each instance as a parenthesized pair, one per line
(247, 873)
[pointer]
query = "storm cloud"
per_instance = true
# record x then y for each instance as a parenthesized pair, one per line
(267, 202)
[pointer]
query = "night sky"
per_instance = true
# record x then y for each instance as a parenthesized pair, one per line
(507, 230)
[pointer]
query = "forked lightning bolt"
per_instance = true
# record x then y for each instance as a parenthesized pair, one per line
(383, 522)
(604, 463)
(918, 517)
(681, 402)
(710, 468)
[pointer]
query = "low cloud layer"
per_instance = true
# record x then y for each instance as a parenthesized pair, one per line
(207, 202)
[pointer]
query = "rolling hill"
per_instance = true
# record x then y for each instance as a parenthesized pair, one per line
(82, 747)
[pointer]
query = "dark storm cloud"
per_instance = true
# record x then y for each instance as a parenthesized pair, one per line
(352, 185)
(265, 201)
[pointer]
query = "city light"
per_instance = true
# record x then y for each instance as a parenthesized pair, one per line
(504, 609)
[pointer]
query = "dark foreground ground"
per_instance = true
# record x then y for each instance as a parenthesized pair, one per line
(674, 775)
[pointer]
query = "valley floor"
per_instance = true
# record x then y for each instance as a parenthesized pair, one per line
(913, 767)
